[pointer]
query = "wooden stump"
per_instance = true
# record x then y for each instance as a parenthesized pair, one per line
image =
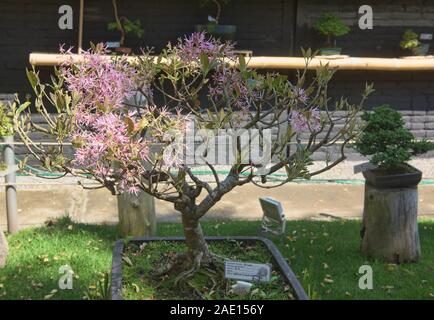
(136, 215)
(389, 230)
(3, 249)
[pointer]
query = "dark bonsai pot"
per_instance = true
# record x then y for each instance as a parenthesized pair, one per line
(124, 50)
(330, 51)
(287, 273)
(407, 176)
(221, 31)
(421, 50)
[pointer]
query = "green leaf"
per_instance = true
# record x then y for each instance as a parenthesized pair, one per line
(222, 115)
(78, 142)
(211, 115)
(181, 176)
(142, 124)
(130, 124)
(47, 163)
(127, 260)
(22, 107)
(33, 77)
(242, 62)
(204, 60)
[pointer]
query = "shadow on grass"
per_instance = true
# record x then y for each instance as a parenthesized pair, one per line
(36, 256)
(107, 232)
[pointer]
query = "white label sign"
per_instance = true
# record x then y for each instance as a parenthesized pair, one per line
(364, 167)
(426, 36)
(113, 44)
(254, 272)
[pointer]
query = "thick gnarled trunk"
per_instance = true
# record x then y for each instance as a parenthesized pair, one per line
(192, 212)
(198, 251)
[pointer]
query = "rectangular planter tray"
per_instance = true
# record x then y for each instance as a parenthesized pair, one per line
(287, 273)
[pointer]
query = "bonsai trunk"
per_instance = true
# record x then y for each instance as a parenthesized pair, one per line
(119, 22)
(329, 41)
(219, 9)
(198, 251)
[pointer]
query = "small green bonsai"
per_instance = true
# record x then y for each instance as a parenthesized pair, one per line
(331, 26)
(6, 121)
(388, 141)
(125, 26)
(410, 40)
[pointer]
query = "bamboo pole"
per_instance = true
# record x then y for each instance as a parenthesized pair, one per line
(11, 191)
(54, 59)
(350, 63)
(80, 27)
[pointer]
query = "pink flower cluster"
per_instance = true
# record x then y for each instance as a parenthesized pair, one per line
(191, 47)
(305, 120)
(229, 86)
(106, 145)
(100, 82)
(300, 95)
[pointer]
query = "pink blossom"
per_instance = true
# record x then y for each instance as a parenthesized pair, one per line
(228, 85)
(98, 80)
(133, 190)
(300, 95)
(190, 48)
(105, 145)
(305, 121)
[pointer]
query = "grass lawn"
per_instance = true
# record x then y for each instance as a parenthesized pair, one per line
(324, 255)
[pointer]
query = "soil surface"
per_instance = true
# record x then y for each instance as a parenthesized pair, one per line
(141, 281)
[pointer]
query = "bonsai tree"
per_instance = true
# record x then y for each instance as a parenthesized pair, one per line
(199, 83)
(410, 41)
(218, 4)
(213, 26)
(386, 139)
(125, 26)
(389, 227)
(331, 27)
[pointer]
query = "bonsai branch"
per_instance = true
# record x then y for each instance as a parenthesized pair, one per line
(119, 23)
(219, 10)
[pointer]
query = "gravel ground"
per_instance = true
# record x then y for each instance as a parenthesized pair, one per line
(343, 171)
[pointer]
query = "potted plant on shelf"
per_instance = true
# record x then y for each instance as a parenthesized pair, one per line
(124, 26)
(410, 41)
(391, 145)
(389, 230)
(213, 26)
(112, 141)
(331, 27)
